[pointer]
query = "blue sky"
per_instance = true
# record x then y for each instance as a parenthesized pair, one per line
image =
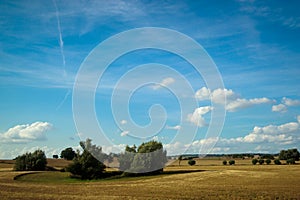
(254, 44)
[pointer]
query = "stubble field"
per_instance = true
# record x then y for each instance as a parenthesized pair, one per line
(212, 180)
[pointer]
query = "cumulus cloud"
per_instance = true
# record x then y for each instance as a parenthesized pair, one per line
(285, 103)
(164, 83)
(177, 127)
(229, 98)
(279, 108)
(197, 116)
(26, 132)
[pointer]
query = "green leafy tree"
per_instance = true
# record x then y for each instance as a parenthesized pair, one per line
(261, 161)
(68, 153)
(191, 162)
(180, 159)
(277, 162)
(288, 154)
(290, 161)
(224, 162)
(231, 162)
(88, 165)
(35, 161)
(149, 158)
(268, 161)
(254, 161)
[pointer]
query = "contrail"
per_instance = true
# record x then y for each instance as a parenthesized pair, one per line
(61, 42)
(61, 45)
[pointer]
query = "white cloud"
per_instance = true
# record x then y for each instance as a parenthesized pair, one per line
(285, 103)
(228, 98)
(177, 127)
(279, 108)
(123, 122)
(124, 133)
(164, 83)
(203, 94)
(197, 116)
(26, 132)
(290, 102)
(245, 103)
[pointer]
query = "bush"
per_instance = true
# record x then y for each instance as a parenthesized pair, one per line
(191, 162)
(35, 161)
(290, 161)
(224, 162)
(277, 162)
(254, 161)
(261, 161)
(231, 162)
(268, 161)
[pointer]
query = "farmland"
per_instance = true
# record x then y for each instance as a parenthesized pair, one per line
(212, 180)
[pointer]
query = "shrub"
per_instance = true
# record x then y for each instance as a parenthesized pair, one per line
(254, 161)
(231, 162)
(277, 162)
(290, 161)
(224, 162)
(268, 161)
(191, 162)
(261, 161)
(35, 161)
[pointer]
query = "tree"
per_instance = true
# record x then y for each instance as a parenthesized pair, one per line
(268, 161)
(88, 165)
(55, 156)
(179, 159)
(149, 158)
(191, 162)
(254, 161)
(35, 161)
(224, 162)
(231, 162)
(261, 161)
(290, 153)
(290, 161)
(68, 153)
(277, 162)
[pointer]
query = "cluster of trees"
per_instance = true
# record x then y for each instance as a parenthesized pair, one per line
(290, 155)
(35, 161)
(261, 161)
(148, 158)
(230, 162)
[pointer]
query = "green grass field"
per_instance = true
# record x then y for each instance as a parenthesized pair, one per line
(214, 181)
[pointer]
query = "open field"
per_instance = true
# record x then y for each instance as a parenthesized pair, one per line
(242, 181)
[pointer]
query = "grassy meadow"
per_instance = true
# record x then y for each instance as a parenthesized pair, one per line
(210, 180)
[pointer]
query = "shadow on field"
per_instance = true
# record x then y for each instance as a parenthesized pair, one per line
(57, 176)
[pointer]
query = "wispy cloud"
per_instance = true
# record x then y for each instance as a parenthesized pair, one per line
(164, 83)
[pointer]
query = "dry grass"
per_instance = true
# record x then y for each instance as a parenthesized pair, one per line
(242, 181)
